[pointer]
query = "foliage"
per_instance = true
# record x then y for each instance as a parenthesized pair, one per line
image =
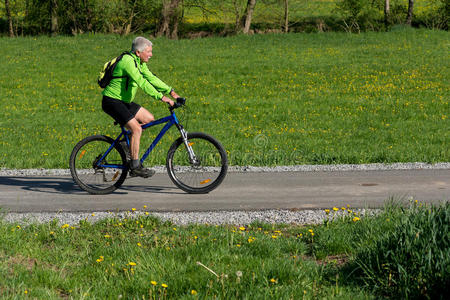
(369, 15)
(130, 16)
(412, 259)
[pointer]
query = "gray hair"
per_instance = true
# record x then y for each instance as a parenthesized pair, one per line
(140, 44)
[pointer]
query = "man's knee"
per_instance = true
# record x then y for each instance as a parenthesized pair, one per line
(134, 126)
(144, 116)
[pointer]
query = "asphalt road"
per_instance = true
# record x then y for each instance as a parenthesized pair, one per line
(239, 191)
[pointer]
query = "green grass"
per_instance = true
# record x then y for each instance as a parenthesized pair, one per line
(270, 99)
(347, 257)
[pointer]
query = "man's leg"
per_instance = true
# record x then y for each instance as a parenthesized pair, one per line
(134, 125)
(136, 132)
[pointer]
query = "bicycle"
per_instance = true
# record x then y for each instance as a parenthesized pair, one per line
(196, 162)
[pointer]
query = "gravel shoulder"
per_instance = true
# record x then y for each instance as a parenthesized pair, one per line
(301, 217)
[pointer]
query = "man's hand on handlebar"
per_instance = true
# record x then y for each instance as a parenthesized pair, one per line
(167, 100)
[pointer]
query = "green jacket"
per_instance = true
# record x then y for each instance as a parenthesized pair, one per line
(135, 77)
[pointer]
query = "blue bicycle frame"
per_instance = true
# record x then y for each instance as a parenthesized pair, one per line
(170, 120)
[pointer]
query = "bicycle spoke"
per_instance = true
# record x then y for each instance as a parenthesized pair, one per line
(90, 173)
(206, 173)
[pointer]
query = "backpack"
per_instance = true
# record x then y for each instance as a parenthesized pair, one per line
(106, 75)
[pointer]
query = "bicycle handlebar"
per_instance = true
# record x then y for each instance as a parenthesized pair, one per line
(180, 102)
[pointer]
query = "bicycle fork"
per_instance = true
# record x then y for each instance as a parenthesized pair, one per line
(192, 158)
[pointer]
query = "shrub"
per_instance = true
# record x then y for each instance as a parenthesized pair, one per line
(412, 260)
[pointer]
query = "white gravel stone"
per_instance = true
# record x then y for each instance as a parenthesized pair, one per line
(238, 218)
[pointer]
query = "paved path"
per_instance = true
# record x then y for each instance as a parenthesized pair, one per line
(239, 191)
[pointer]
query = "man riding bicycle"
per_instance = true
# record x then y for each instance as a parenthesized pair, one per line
(130, 73)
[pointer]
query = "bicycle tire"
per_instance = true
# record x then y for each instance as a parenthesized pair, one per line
(201, 178)
(97, 180)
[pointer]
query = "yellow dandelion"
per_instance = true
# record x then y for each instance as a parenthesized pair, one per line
(242, 228)
(164, 285)
(343, 208)
(153, 282)
(193, 292)
(145, 206)
(132, 263)
(139, 244)
(174, 229)
(335, 208)
(273, 280)
(107, 236)
(133, 209)
(327, 211)
(65, 226)
(356, 219)
(146, 213)
(310, 230)
(274, 236)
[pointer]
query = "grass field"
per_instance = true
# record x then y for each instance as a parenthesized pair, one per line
(270, 99)
(400, 253)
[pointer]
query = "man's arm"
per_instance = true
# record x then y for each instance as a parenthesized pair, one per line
(159, 85)
(139, 78)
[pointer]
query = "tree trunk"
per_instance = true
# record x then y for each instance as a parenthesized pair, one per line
(169, 13)
(8, 15)
(410, 12)
(286, 16)
(248, 15)
(54, 27)
(237, 24)
(386, 14)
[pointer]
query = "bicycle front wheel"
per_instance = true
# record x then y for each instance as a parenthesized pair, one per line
(95, 172)
(202, 175)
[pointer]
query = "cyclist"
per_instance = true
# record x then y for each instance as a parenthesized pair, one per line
(130, 73)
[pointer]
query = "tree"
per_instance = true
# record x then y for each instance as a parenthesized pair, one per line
(170, 18)
(8, 15)
(54, 15)
(410, 12)
(248, 15)
(286, 16)
(386, 14)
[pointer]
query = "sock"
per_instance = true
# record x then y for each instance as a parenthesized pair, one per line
(135, 163)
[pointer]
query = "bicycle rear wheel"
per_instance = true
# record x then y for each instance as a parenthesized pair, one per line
(85, 169)
(204, 175)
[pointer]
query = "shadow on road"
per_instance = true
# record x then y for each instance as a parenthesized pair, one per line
(61, 185)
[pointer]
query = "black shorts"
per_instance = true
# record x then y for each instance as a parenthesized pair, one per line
(120, 111)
